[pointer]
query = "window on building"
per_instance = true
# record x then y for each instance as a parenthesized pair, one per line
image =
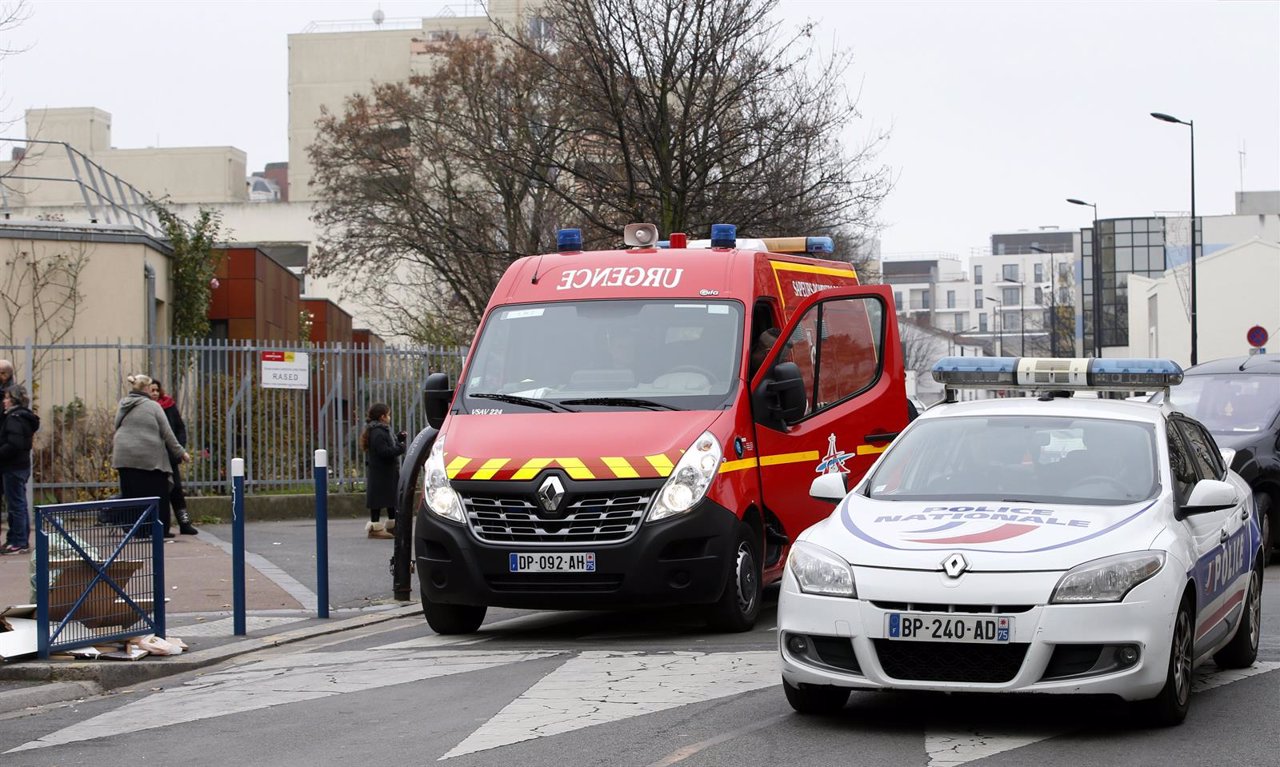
(977, 298)
(982, 323)
(961, 323)
(1009, 272)
(951, 299)
(1039, 295)
(926, 300)
(977, 275)
(1011, 320)
(1010, 297)
(897, 300)
(1039, 272)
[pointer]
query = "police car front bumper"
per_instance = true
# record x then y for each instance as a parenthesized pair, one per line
(683, 560)
(1062, 649)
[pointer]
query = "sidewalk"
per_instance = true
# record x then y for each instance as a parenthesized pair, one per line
(280, 583)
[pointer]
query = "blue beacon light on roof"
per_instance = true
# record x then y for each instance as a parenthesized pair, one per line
(568, 240)
(724, 235)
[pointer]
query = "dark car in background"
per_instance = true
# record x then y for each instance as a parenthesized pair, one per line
(1238, 400)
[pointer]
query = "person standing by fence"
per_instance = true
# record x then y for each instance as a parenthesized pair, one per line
(144, 450)
(382, 469)
(17, 431)
(177, 498)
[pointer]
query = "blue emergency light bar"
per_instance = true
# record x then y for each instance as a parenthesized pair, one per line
(1057, 373)
(569, 240)
(819, 245)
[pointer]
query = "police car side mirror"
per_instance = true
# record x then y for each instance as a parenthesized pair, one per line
(1209, 495)
(828, 487)
(780, 399)
(436, 397)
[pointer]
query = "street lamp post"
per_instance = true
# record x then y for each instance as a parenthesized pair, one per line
(1097, 277)
(1053, 302)
(1192, 125)
(999, 325)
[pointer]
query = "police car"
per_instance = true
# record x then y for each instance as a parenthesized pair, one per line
(1040, 544)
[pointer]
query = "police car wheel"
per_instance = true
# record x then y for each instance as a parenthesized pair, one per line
(1242, 650)
(739, 604)
(1266, 520)
(815, 698)
(452, 619)
(1171, 705)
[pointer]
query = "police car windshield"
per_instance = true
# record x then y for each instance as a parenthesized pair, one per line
(1039, 459)
(679, 354)
(1229, 403)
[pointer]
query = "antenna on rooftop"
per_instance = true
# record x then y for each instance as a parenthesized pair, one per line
(379, 16)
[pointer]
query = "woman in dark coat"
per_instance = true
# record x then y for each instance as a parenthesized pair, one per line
(18, 426)
(177, 498)
(382, 469)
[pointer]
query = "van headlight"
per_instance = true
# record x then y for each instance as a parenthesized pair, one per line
(1108, 579)
(690, 479)
(441, 498)
(819, 571)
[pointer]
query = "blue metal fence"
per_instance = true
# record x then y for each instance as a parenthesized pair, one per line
(99, 573)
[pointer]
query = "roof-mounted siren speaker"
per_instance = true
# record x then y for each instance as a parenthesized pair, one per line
(640, 235)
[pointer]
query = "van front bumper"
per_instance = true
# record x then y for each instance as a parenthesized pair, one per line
(679, 561)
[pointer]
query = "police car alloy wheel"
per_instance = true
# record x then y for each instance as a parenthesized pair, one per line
(1030, 544)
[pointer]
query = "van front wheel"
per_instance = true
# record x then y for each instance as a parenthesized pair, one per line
(452, 619)
(739, 603)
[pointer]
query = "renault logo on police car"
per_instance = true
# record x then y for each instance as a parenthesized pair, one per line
(955, 565)
(550, 493)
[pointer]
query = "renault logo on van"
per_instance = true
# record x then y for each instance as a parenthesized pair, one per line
(550, 493)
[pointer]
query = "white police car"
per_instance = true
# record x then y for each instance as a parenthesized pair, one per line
(1031, 544)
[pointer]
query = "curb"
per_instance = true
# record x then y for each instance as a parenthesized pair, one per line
(79, 679)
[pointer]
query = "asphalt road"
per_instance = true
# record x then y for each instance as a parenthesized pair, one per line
(550, 689)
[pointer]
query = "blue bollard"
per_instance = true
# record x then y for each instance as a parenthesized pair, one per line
(42, 587)
(321, 473)
(237, 545)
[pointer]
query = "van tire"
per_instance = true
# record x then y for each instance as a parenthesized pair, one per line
(739, 602)
(452, 619)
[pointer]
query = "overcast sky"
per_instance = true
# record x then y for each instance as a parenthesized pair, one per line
(998, 111)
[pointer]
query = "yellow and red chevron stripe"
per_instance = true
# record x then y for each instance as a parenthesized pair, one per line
(604, 467)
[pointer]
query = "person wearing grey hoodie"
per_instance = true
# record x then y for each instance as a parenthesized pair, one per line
(142, 448)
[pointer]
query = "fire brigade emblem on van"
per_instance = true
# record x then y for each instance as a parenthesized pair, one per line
(550, 493)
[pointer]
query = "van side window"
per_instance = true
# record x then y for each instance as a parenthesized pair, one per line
(838, 346)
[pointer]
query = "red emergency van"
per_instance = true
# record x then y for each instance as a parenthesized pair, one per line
(609, 443)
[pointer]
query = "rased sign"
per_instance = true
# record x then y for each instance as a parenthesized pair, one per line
(285, 370)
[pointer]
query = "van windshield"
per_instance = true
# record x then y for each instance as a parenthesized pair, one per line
(589, 355)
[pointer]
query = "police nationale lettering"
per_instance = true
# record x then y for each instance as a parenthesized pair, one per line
(619, 277)
(1019, 514)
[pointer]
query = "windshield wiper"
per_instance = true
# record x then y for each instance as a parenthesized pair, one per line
(621, 402)
(527, 401)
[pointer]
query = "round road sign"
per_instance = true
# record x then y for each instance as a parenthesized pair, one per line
(1257, 336)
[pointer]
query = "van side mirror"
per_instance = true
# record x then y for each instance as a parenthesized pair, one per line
(436, 397)
(780, 399)
(1209, 495)
(828, 487)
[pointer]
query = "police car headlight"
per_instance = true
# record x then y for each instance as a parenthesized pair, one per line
(1108, 579)
(819, 571)
(441, 499)
(690, 479)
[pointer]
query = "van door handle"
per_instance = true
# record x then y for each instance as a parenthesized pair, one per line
(1222, 536)
(887, 437)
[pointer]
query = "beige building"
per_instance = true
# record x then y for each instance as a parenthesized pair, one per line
(65, 283)
(179, 174)
(330, 61)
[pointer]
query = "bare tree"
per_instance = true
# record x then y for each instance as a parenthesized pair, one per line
(435, 185)
(920, 347)
(42, 289)
(692, 112)
(604, 112)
